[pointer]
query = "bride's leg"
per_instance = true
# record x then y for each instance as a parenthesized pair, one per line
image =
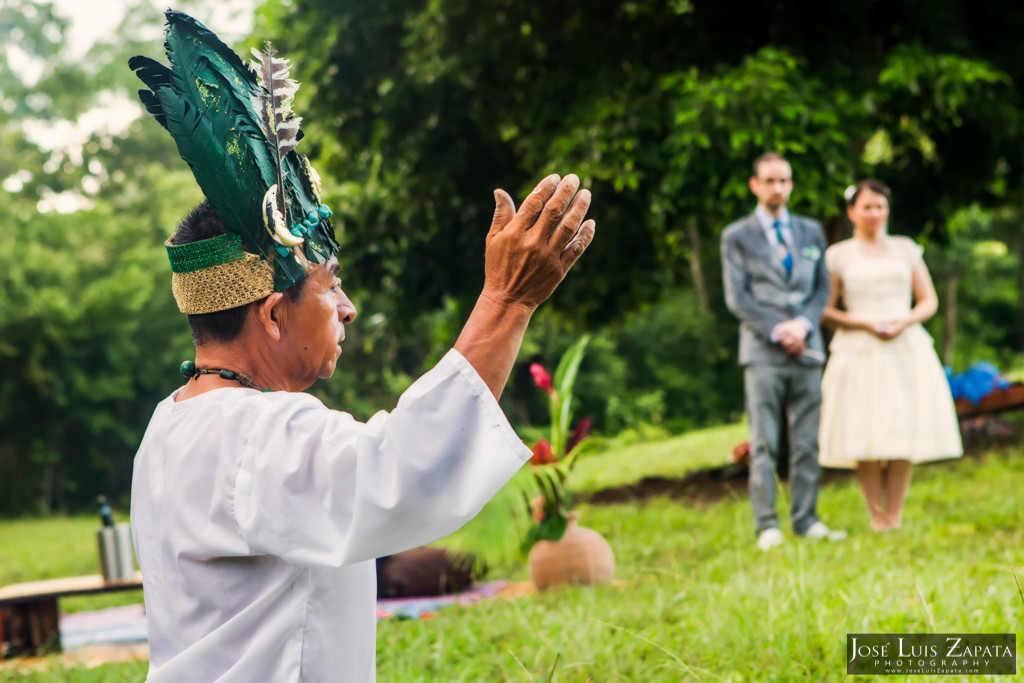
(869, 473)
(897, 483)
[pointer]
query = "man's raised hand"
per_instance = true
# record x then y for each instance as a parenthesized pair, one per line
(528, 252)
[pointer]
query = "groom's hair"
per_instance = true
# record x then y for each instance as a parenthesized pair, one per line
(765, 158)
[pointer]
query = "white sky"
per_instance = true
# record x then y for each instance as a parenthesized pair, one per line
(90, 20)
(94, 19)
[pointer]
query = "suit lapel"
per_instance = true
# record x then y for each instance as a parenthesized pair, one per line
(797, 228)
(757, 237)
(764, 247)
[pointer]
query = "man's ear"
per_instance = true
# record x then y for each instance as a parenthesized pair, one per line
(268, 315)
(752, 184)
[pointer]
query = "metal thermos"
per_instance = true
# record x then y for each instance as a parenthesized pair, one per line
(107, 540)
(117, 559)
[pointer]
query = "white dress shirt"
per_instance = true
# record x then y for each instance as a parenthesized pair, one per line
(767, 221)
(257, 517)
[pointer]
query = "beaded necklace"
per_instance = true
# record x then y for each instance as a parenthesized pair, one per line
(190, 371)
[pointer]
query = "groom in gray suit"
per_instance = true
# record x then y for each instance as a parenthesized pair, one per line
(777, 285)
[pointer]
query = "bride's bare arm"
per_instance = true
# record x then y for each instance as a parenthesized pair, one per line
(835, 316)
(926, 301)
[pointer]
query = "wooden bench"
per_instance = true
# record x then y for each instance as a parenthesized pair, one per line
(1009, 398)
(29, 614)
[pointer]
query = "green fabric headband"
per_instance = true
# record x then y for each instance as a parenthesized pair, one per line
(186, 258)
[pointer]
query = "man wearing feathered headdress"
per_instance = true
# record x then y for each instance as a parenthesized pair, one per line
(257, 512)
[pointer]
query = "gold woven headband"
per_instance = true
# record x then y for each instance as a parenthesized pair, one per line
(216, 274)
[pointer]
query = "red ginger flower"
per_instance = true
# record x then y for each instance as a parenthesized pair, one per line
(742, 452)
(578, 434)
(542, 454)
(541, 377)
(537, 506)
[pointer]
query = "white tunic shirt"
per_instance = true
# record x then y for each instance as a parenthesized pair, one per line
(257, 517)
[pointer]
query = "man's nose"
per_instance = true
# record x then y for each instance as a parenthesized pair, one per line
(346, 310)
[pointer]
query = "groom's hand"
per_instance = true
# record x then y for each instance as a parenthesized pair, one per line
(792, 336)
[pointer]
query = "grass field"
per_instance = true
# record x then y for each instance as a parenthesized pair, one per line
(696, 600)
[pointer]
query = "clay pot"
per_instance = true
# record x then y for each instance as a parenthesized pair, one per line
(582, 556)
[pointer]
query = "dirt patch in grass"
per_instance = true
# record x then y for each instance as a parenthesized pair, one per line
(706, 486)
(700, 488)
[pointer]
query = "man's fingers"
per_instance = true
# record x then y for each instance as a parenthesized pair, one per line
(575, 248)
(556, 207)
(570, 222)
(504, 211)
(534, 203)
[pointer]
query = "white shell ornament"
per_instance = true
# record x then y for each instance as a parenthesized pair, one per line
(274, 220)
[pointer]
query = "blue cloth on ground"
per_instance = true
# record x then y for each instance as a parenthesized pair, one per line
(977, 382)
(112, 625)
(127, 624)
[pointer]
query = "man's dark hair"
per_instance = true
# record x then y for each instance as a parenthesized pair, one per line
(765, 158)
(868, 184)
(202, 223)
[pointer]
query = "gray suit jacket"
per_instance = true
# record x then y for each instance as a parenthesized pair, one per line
(759, 293)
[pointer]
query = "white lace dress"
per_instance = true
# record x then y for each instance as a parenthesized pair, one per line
(883, 400)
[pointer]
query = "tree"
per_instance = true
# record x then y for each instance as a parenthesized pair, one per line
(415, 110)
(423, 107)
(90, 334)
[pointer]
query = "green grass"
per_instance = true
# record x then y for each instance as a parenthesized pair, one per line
(58, 672)
(699, 602)
(53, 548)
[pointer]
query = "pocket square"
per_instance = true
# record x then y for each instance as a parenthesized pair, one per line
(811, 253)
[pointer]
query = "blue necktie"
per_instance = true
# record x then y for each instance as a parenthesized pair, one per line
(787, 258)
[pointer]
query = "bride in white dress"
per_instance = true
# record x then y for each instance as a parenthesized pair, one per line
(886, 401)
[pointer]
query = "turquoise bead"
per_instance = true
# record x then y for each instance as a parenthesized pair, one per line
(188, 369)
(325, 211)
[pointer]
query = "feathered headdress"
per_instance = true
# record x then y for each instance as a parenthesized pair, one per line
(235, 127)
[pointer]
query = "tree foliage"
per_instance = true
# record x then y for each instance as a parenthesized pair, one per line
(89, 333)
(416, 109)
(660, 106)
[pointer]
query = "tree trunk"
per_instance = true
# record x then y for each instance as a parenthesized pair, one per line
(949, 320)
(1020, 288)
(695, 267)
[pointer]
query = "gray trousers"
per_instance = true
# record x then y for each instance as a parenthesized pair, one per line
(769, 388)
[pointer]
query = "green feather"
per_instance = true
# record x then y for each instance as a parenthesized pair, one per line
(153, 106)
(206, 101)
(151, 72)
(218, 169)
(181, 24)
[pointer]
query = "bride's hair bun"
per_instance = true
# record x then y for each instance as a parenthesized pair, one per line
(853, 191)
